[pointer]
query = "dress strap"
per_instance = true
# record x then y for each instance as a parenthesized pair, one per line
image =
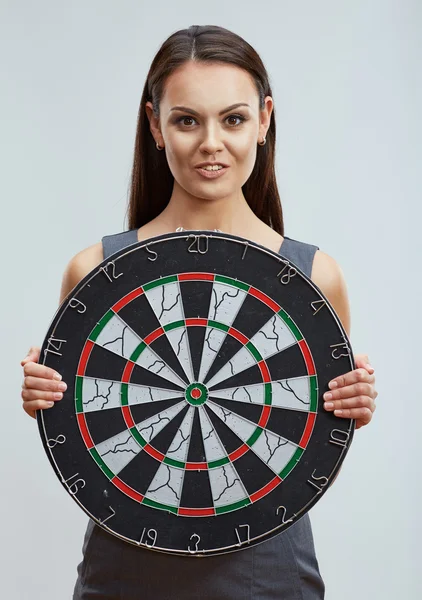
(299, 253)
(118, 241)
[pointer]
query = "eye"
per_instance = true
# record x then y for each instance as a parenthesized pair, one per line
(239, 117)
(182, 120)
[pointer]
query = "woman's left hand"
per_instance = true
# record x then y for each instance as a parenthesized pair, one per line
(352, 395)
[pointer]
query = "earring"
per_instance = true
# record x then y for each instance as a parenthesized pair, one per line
(264, 141)
(159, 147)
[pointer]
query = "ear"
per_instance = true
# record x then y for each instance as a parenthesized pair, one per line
(265, 117)
(154, 124)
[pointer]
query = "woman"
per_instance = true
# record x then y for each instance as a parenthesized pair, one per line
(204, 159)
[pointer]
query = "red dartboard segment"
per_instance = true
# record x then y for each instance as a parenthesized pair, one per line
(126, 299)
(196, 277)
(154, 453)
(196, 512)
(265, 299)
(199, 466)
(265, 415)
(239, 452)
(84, 431)
(238, 336)
(266, 377)
(126, 489)
(127, 373)
(266, 489)
(149, 339)
(196, 322)
(127, 415)
(84, 357)
(308, 430)
(310, 365)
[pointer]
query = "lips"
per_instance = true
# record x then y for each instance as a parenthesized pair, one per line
(211, 174)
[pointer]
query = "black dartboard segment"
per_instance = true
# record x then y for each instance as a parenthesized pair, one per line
(193, 421)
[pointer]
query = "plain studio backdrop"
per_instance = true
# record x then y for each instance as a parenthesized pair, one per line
(347, 91)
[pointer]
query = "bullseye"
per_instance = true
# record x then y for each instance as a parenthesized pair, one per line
(196, 394)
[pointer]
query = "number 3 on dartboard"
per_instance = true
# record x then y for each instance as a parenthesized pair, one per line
(199, 243)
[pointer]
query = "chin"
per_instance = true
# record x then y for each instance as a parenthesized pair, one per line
(208, 192)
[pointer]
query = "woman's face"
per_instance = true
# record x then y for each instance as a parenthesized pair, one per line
(210, 113)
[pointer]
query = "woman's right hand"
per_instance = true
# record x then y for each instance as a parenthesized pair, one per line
(42, 386)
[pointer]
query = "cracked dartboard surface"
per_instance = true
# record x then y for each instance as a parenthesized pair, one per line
(193, 421)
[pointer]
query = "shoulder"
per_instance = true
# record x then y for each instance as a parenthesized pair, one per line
(329, 277)
(80, 265)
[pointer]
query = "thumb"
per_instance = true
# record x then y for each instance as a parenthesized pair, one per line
(33, 355)
(362, 362)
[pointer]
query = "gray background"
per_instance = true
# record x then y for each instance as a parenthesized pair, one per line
(347, 89)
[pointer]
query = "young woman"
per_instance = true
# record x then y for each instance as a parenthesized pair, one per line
(204, 159)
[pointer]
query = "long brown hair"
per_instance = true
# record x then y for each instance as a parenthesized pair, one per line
(152, 181)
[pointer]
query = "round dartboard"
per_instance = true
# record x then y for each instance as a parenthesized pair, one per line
(193, 421)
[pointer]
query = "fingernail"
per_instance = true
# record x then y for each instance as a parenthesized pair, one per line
(62, 386)
(57, 376)
(50, 404)
(338, 412)
(58, 395)
(332, 385)
(328, 405)
(370, 366)
(328, 396)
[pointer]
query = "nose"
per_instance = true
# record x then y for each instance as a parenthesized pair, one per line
(212, 141)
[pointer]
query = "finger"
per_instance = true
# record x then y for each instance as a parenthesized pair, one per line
(348, 403)
(363, 414)
(350, 378)
(361, 388)
(29, 395)
(362, 361)
(36, 370)
(46, 385)
(31, 407)
(33, 355)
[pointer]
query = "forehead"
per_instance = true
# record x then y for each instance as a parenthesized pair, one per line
(209, 86)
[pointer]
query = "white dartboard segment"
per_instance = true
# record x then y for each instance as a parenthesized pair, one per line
(291, 393)
(178, 449)
(166, 302)
(150, 427)
(118, 451)
(226, 485)
(100, 394)
(118, 337)
(214, 449)
(225, 304)
(166, 487)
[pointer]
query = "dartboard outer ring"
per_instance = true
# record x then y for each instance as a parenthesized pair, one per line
(193, 422)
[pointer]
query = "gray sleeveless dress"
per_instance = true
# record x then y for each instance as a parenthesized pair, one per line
(283, 568)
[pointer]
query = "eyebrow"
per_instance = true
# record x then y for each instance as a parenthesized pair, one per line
(196, 114)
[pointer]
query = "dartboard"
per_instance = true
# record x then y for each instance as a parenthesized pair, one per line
(193, 421)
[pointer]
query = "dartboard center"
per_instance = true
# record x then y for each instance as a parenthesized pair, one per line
(196, 394)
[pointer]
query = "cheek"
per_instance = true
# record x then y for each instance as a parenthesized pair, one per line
(245, 151)
(178, 152)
